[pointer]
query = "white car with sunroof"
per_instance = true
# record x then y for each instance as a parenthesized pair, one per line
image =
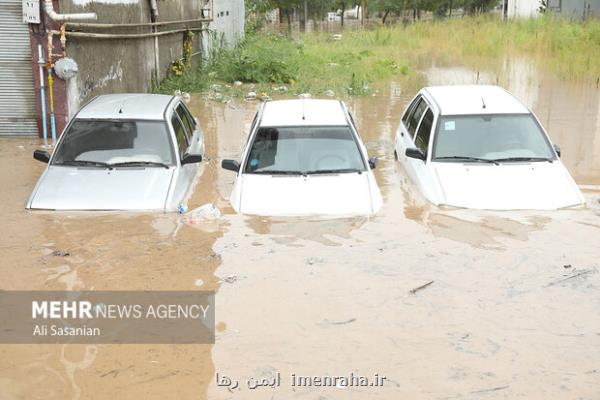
(304, 157)
(479, 147)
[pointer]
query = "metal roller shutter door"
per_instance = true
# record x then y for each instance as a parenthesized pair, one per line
(17, 96)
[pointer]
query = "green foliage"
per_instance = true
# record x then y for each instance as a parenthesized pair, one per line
(260, 58)
(362, 60)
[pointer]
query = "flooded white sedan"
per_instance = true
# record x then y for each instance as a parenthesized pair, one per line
(122, 152)
(479, 147)
(304, 157)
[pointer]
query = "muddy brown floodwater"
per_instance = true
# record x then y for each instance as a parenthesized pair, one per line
(513, 310)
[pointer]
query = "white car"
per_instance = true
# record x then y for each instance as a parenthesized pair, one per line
(304, 157)
(479, 147)
(122, 152)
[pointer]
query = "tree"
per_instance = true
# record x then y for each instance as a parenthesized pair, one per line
(385, 7)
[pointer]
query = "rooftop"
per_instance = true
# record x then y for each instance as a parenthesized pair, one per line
(475, 99)
(126, 106)
(308, 112)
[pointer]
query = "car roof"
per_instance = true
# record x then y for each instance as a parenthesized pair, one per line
(126, 106)
(304, 112)
(474, 99)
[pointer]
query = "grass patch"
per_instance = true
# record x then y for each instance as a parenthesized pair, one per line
(270, 64)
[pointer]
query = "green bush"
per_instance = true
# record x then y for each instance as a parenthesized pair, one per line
(260, 59)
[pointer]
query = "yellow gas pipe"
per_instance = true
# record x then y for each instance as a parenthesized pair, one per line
(49, 67)
(51, 87)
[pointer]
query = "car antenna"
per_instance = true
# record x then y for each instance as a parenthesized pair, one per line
(483, 102)
(303, 109)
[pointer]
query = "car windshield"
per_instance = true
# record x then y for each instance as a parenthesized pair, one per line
(97, 142)
(491, 137)
(304, 150)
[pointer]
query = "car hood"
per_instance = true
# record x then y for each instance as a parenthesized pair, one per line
(509, 186)
(70, 188)
(325, 195)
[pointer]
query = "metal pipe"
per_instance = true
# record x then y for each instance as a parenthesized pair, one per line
(154, 8)
(51, 88)
(51, 94)
(154, 29)
(49, 8)
(135, 25)
(126, 35)
(41, 63)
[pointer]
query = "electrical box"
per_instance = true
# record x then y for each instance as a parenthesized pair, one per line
(31, 11)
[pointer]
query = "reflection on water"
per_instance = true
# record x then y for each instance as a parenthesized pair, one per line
(512, 310)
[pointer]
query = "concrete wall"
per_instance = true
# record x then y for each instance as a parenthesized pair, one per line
(228, 20)
(581, 8)
(578, 9)
(523, 8)
(128, 65)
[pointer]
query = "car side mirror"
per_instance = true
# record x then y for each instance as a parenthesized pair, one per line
(191, 159)
(41, 155)
(413, 152)
(373, 162)
(557, 149)
(230, 165)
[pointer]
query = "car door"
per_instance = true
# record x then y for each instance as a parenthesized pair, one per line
(236, 193)
(407, 131)
(185, 174)
(420, 169)
(192, 127)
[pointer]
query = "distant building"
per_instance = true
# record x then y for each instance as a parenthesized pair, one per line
(353, 13)
(580, 9)
(522, 8)
(333, 17)
(228, 20)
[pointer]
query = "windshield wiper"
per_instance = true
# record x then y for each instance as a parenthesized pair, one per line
(524, 159)
(78, 163)
(466, 158)
(139, 164)
(277, 172)
(334, 171)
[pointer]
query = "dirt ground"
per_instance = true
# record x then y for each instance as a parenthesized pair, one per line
(512, 310)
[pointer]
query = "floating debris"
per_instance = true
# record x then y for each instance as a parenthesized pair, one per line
(314, 260)
(206, 212)
(415, 290)
(230, 279)
(327, 323)
(264, 97)
(576, 274)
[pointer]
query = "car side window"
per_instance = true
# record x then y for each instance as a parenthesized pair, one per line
(424, 131)
(410, 109)
(180, 134)
(252, 127)
(415, 117)
(187, 119)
